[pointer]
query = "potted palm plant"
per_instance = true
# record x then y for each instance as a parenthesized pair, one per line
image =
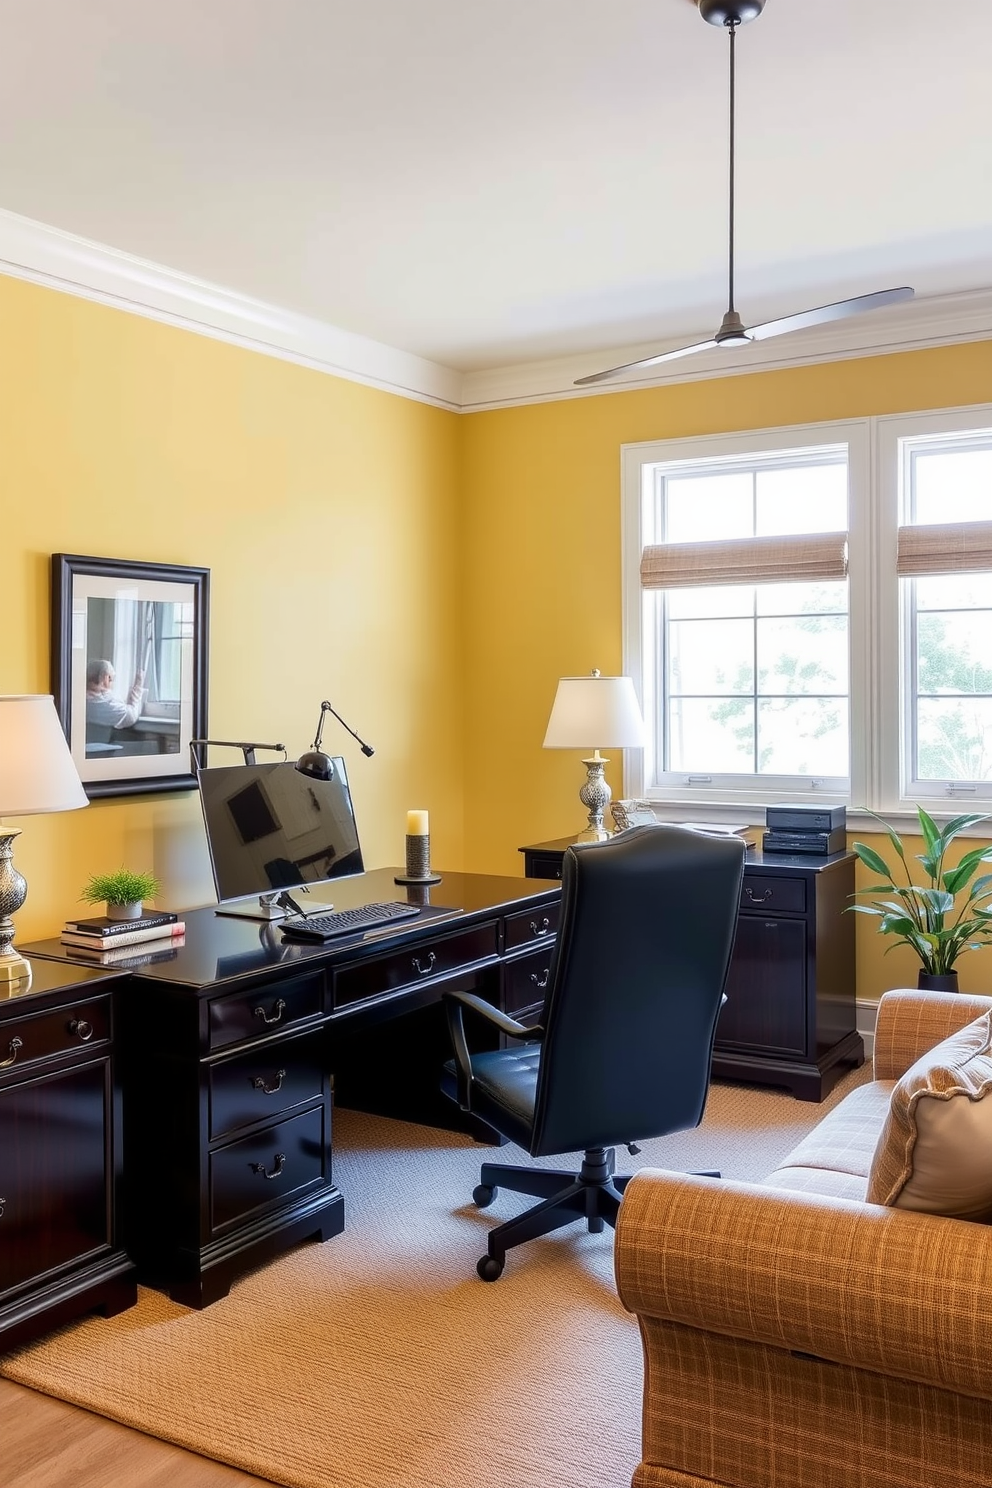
(947, 914)
(123, 892)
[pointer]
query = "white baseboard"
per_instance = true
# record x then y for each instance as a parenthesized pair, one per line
(866, 1012)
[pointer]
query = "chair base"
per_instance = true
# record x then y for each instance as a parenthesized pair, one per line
(593, 1194)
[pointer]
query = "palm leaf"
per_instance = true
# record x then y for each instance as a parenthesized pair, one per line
(930, 831)
(955, 878)
(890, 832)
(872, 860)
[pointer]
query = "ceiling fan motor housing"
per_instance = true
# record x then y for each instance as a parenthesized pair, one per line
(730, 12)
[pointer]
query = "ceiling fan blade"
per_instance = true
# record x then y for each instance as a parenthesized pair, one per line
(837, 311)
(652, 361)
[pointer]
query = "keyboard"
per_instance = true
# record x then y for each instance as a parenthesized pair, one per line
(348, 921)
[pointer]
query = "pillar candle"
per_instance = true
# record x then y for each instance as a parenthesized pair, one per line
(416, 824)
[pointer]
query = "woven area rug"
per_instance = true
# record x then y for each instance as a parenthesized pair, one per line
(379, 1360)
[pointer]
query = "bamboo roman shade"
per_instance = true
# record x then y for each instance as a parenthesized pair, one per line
(944, 547)
(794, 558)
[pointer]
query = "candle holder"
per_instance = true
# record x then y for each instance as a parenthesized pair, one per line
(418, 862)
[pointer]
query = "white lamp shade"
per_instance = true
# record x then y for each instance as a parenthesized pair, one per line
(595, 713)
(36, 769)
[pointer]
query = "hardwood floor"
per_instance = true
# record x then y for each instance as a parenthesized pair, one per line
(48, 1444)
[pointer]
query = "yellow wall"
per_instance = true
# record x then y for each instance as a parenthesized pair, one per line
(328, 514)
(542, 513)
(432, 576)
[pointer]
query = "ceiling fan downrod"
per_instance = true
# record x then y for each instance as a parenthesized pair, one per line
(731, 14)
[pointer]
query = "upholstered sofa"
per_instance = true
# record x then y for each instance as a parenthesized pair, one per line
(797, 1335)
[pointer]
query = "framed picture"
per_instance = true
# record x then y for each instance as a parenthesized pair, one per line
(129, 670)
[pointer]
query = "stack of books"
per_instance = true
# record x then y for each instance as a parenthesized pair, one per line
(122, 941)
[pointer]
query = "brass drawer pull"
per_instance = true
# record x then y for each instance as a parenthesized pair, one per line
(261, 1168)
(81, 1029)
(14, 1046)
(542, 928)
(540, 982)
(758, 898)
(259, 1083)
(424, 970)
(278, 1008)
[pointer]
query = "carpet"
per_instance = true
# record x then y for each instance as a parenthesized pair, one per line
(379, 1360)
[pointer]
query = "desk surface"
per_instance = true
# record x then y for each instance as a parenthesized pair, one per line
(785, 863)
(223, 948)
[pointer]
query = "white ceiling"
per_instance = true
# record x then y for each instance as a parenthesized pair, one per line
(484, 185)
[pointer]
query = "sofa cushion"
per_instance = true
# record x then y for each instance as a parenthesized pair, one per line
(836, 1156)
(935, 1150)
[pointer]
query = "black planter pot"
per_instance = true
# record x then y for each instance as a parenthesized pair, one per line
(932, 981)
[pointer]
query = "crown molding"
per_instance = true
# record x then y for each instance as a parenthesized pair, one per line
(60, 260)
(913, 326)
(73, 265)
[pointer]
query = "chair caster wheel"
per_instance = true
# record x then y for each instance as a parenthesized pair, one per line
(490, 1269)
(483, 1195)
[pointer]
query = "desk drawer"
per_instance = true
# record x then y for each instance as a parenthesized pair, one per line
(265, 1082)
(25, 1040)
(762, 892)
(532, 925)
(525, 980)
(263, 1171)
(426, 961)
(267, 1009)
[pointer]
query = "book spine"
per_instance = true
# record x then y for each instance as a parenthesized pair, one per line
(133, 937)
(113, 929)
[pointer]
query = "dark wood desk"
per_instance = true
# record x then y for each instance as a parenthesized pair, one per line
(790, 1017)
(232, 1043)
(61, 1246)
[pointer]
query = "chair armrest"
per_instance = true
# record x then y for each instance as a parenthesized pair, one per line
(454, 1003)
(890, 1290)
(910, 1022)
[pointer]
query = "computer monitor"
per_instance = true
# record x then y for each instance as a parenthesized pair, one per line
(270, 829)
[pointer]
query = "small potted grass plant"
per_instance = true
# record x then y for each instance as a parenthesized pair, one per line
(123, 892)
(948, 914)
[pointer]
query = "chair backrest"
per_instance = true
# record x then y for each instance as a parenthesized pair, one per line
(647, 929)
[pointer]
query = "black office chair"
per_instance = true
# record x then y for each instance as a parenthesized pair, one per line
(624, 1046)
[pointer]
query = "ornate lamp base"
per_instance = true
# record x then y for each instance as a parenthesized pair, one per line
(13, 892)
(595, 795)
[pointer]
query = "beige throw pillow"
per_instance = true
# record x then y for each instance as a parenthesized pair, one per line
(935, 1150)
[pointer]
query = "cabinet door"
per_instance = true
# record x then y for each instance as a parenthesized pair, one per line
(766, 987)
(54, 1197)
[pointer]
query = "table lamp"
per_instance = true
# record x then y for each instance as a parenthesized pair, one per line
(36, 774)
(595, 712)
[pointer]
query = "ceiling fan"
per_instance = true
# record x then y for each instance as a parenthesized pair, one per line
(733, 331)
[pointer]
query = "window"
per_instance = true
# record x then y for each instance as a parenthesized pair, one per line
(742, 619)
(944, 562)
(809, 610)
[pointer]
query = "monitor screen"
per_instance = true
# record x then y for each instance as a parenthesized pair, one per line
(269, 827)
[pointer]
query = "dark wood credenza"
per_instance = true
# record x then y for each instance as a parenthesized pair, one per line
(790, 1018)
(232, 1046)
(61, 1240)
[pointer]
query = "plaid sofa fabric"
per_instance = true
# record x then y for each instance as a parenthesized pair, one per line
(909, 1023)
(888, 1290)
(798, 1337)
(836, 1157)
(727, 1411)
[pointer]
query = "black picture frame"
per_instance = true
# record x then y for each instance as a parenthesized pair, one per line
(130, 735)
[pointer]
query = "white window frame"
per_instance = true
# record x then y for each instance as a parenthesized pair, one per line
(893, 788)
(877, 447)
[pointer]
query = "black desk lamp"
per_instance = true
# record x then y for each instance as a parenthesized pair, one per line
(317, 764)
